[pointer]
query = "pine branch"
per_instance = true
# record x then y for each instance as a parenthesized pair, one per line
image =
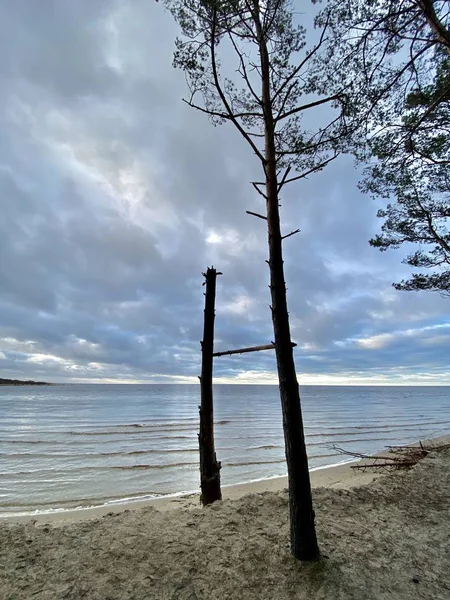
(222, 95)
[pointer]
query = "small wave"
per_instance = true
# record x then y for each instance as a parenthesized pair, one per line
(253, 462)
(275, 462)
(67, 506)
(94, 454)
(349, 441)
(133, 428)
(42, 507)
(77, 470)
(141, 429)
(266, 447)
(356, 431)
(144, 467)
(151, 451)
(65, 442)
(383, 425)
(25, 441)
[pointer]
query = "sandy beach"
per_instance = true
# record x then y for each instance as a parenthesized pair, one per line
(380, 537)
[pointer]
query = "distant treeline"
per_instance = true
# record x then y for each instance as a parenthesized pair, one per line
(18, 382)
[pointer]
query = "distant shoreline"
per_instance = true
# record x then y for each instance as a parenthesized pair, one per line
(19, 382)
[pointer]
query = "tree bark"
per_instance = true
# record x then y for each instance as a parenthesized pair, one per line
(442, 34)
(209, 466)
(304, 544)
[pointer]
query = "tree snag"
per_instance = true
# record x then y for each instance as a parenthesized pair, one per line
(209, 466)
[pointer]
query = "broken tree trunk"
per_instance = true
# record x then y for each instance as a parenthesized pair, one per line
(209, 466)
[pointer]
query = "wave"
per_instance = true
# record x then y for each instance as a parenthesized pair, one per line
(362, 430)
(143, 427)
(384, 426)
(164, 432)
(144, 467)
(81, 469)
(133, 431)
(253, 462)
(266, 447)
(94, 454)
(350, 441)
(80, 503)
(274, 462)
(77, 442)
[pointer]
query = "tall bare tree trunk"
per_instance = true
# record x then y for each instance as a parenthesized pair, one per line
(209, 466)
(304, 544)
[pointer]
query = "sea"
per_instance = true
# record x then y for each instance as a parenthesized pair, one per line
(73, 445)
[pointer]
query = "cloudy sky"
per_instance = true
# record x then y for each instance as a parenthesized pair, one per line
(115, 196)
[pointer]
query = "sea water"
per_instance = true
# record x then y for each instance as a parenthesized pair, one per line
(65, 446)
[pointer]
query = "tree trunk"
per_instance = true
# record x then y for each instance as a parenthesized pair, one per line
(303, 534)
(441, 32)
(209, 467)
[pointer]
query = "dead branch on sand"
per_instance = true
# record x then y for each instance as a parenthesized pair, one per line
(398, 457)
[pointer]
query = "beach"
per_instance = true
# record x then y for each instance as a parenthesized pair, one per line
(380, 537)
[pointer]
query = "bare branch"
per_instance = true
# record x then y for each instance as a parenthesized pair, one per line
(298, 109)
(283, 180)
(253, 214)
(283, 237)
(251, 349)
(221, 115)
(255, 185)
(243, 71)
(313, 170)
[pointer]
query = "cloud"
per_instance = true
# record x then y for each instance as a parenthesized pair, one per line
(115, 197)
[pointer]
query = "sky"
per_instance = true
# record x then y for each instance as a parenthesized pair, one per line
(115, 196)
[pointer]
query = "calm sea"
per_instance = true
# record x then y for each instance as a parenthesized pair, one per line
(82, 445)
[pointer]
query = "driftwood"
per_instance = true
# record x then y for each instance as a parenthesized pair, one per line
(396, 457)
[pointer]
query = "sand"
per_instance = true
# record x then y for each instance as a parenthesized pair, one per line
(385, 539)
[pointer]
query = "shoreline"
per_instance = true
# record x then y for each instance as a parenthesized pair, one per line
(384, 540)
(336, 476)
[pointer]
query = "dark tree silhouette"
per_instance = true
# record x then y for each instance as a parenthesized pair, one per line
(265, 97)
(209, 465)
(393, 56)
